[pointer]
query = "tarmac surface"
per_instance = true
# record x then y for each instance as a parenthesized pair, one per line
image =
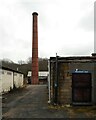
(32, 102)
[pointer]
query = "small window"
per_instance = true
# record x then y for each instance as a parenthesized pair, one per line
(9, 73)
(2, 72)
(20, 75)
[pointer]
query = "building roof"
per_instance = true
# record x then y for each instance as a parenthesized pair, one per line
(40, 73)
(43, 73)
(5, 68)
(75, 59)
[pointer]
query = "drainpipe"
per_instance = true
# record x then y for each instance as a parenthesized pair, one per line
(56, 82)
(13, 80)
(49, 81)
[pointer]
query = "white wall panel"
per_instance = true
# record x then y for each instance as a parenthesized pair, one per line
(8, 79)
(18, 80)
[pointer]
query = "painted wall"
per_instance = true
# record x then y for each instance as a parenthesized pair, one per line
(9, 79)
(0, 80)
(18, 80)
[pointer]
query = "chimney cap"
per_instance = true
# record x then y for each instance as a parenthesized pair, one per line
(34, 13)
(93, 54)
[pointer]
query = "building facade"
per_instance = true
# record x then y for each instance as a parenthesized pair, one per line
(72, 80)
(42, 77)
(10, 79)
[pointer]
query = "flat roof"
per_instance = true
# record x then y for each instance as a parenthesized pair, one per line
(5, 68)
(40, 73)
(74, 59)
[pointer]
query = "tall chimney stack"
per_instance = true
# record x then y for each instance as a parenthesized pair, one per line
(35, 49)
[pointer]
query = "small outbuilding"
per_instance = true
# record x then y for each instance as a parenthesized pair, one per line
(72, 80)
(10, 79)
(42, 76)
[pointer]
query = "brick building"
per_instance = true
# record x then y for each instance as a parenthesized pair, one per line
(72, 80)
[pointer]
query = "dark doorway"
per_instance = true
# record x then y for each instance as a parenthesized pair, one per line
(81, 88)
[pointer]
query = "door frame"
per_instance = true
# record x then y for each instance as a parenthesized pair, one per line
(74, 102)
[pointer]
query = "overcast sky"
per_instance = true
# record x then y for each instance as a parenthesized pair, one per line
(65, 27)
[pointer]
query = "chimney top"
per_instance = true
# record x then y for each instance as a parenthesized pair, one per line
(94, 54)
(34, 13)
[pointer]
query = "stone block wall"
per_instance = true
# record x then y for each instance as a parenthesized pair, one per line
(65, 80)
(64, 83)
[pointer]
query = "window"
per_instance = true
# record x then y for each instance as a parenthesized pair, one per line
(2, 72)
(9, 73)
(20, 75)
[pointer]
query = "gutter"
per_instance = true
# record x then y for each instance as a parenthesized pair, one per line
(49, 101)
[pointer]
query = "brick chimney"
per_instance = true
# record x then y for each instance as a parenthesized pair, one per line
(35, 49)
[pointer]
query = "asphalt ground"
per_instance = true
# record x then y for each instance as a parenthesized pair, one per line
(32, 102)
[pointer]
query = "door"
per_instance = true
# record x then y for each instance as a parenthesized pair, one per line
(81, 87)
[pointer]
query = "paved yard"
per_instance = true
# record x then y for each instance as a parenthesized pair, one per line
(31, 102)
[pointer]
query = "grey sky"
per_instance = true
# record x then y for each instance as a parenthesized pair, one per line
(64, 26)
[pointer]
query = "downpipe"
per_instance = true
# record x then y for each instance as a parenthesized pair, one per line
(49, 99)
